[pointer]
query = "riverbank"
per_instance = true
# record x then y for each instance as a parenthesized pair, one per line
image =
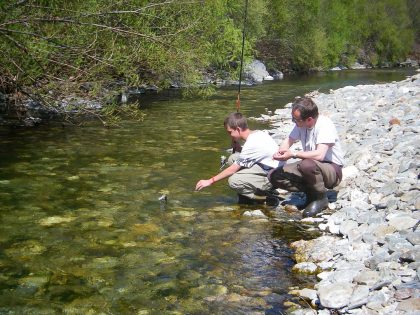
(368, 259)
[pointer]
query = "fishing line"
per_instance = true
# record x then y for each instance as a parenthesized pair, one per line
(238, 100)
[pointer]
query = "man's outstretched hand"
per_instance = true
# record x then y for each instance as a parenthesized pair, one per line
(203, 184)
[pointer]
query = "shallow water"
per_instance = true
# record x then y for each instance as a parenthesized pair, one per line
(83, 230)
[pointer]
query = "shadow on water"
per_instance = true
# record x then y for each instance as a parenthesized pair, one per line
(83, 229)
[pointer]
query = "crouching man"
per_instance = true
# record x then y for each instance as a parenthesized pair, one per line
(321, 161)
(248, 171)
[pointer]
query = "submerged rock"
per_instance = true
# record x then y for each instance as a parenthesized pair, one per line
(55, 220)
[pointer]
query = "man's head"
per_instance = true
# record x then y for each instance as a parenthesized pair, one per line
(235, 124)
(304, 112)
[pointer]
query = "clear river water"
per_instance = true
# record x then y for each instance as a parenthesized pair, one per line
(83, 230)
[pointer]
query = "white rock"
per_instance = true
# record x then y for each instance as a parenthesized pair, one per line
(402, 222)
(254, 213)
(308, 293)
(307, 267)
(333, 228)
(336, 295)
(350, 172)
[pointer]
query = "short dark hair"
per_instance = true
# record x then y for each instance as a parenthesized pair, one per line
(306, 106)
(236, 120)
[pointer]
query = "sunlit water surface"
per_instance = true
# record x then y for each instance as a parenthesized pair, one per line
(83, 230)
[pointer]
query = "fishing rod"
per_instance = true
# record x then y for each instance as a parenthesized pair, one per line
(238, 100)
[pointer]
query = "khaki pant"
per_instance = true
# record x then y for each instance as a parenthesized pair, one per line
(306, 175)
(249, 182)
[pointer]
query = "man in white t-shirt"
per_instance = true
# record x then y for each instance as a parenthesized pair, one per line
(321, 159)
(248, 171)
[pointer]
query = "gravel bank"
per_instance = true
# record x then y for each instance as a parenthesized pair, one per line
(368, 259)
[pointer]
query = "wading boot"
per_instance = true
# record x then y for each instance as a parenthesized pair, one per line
(244, 200)
(319, 202)
(272, 201)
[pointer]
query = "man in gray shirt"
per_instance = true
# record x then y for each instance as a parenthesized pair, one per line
(321, 160)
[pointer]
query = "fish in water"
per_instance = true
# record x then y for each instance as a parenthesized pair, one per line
(163, 198)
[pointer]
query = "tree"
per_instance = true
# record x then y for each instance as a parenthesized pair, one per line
(53, 45)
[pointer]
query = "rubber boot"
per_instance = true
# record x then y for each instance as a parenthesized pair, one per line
(319, 203)
(244, 200)
(272, 201)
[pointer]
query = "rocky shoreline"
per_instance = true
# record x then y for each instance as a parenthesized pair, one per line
(368, 259)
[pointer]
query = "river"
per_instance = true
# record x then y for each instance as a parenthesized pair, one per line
(83, 230)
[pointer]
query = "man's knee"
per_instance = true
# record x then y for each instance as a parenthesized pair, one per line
(235, 181)
(307, 166)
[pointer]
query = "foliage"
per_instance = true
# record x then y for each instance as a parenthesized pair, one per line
(50, 47)
(324, 33)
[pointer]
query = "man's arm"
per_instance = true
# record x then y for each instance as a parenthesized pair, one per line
(283, 148)
(286, 144)
(232, 169)
(318, 154)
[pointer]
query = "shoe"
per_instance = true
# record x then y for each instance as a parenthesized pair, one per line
(319, 202)
(244, 200)
(272, 201)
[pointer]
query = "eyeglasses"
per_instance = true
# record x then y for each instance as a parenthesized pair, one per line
(297, 120)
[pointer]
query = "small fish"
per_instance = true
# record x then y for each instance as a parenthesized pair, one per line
(163, 198)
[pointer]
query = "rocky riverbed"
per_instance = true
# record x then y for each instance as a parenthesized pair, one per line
(368, 258)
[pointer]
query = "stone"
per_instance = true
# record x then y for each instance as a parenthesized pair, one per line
(398, 243)
(360, 293)
(394, 121)
(256, 71)
(347, 226)
(359, 252)
(333, 228)
(318, 250)
(409, 305)
(255, 213)
(346, 275)
(305, 267)
(402, 222)
(308, 294)
(367, 277)
(375, 198)
(336, 295)
(383, 230)
(403, 294)
(376, 300)
(413, 237)
(411, 255)
(55, 220)
(350, 172)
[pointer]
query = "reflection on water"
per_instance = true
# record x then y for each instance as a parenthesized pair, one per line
(83, 230)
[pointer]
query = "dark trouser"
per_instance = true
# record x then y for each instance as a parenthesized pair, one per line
(308, 175)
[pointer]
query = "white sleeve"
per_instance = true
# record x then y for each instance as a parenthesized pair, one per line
(248, 156)
(257, 147)
(327, 133)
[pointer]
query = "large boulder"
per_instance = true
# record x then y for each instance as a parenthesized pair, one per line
(257, 72)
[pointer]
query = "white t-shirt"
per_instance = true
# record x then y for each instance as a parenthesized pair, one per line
(259, 148)
(325, 132)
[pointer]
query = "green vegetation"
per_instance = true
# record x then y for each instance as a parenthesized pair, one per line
(324, 33)
(50, 47)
